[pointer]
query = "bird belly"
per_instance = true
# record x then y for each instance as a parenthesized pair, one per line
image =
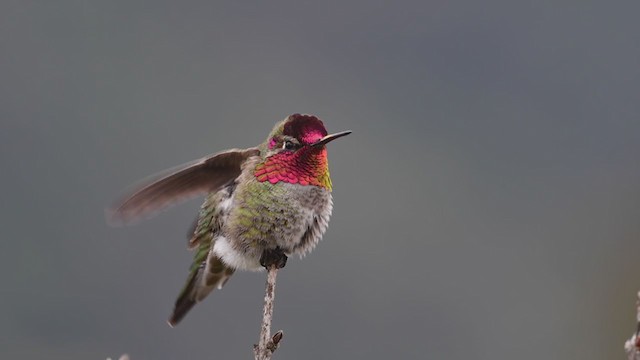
(307, 217)
(234, 257)
(316, 206)
(291, 217)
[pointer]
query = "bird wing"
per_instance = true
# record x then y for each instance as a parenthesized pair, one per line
(181, 183)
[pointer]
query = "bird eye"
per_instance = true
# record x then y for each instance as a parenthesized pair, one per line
(288, 145)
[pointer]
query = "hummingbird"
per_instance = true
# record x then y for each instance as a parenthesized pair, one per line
(262, 204)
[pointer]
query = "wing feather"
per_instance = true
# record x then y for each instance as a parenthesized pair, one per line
(181, 183)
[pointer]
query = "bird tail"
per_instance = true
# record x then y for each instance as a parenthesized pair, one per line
(202, 279)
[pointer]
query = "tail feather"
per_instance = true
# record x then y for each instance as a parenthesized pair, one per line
(210, 274)
(184, 303)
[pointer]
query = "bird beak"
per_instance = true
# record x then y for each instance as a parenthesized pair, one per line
(330, 137)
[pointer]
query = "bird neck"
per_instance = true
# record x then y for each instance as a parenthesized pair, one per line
(307, 166)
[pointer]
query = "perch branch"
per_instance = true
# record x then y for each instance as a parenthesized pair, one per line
(268, 344)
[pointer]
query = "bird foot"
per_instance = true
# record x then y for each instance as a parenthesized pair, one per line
(273, 257)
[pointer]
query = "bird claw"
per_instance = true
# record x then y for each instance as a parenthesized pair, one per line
(273, 257)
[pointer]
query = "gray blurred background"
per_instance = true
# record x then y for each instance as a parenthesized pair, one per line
(486, 204)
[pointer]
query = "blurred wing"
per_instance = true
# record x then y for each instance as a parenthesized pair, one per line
(186, 181)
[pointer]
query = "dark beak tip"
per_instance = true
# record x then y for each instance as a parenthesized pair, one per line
(338, 134)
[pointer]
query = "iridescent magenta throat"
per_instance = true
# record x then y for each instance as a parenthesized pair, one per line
(307, 166)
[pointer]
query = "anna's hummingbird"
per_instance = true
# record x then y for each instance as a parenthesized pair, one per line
(262, 204)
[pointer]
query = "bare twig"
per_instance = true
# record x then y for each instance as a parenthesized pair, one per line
(268, 344)
(632, 346)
